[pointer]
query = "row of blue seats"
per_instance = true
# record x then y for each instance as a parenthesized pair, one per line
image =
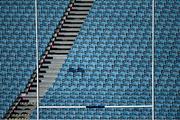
(167, 46)
(110, 113)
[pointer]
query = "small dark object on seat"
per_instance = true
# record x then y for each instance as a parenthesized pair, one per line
(80, 70)
(72, 70)
(95, 106)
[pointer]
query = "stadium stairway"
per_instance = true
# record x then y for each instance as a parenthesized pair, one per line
(52, 60)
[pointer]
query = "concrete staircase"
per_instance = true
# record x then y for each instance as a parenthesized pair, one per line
(52, 60)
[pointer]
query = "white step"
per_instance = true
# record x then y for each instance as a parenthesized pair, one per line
(62, 46)
(71, 25)
(81, 8)
(58, 56)
(66, 38)
(63, 42)
(79, 12)
(71, 29)
(76, 16)
(60, 51)
(74, 20)
(68, 33)
(83, 4)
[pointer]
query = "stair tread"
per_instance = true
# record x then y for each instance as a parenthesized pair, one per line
(63, 42)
